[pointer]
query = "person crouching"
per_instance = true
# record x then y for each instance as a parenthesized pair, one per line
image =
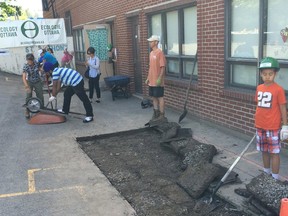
(75, 85)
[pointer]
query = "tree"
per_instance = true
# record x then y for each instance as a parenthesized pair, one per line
(8, 11)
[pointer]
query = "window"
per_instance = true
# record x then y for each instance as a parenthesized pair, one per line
(156, 25)
(189, 45)
(172, 33)
(178, 33)
(260, 34)
(276, 30)
(79, 48)
(68, 24)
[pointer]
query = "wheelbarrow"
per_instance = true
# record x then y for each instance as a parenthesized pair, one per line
(45, 115)
(118, 85)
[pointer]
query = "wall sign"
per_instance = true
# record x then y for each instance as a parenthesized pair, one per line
(32, 32)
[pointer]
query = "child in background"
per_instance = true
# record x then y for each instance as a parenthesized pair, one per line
(50, 50)
(271, 108)
(66, 59)
(48, 57)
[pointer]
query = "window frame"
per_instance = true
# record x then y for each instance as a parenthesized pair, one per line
(79, 47)
(180, 58)
(229, 61)
(68, 23)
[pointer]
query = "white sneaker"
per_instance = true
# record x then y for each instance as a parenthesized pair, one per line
(60, 111)
(88, 119)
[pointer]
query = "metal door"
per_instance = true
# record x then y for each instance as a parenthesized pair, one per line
(136, 56)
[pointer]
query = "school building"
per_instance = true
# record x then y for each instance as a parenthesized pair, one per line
(229, 36)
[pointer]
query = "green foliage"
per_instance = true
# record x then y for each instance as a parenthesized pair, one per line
(7, 10)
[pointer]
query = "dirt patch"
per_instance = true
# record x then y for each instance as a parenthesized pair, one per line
(146, 173)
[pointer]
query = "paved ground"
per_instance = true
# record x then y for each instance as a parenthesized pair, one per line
(44, 172)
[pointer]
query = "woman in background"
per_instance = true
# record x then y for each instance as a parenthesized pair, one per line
(93, 63)
(32, 80)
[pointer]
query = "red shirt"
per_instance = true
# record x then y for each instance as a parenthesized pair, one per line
(268, 113)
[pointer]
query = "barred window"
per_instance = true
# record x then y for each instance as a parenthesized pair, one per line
(79, 48)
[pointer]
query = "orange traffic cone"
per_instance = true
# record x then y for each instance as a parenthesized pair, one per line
(284, 207)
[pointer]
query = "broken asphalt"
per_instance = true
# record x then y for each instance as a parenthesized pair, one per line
(44, 172)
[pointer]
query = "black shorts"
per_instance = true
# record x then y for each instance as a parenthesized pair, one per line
(156, 91)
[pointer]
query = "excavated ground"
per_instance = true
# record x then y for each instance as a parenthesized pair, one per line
(153, 175)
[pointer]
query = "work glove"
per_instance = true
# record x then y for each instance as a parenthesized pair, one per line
(284, 132)
(158, 82)
(52, 98)
(147, 81)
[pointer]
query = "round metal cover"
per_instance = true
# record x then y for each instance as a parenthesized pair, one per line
(33, 105)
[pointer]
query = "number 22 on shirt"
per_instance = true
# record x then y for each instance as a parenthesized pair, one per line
(264, 99)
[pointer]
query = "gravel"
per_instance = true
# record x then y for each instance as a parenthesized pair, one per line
(268, 190)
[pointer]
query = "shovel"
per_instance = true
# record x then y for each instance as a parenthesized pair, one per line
(182, 116)
(229, 170)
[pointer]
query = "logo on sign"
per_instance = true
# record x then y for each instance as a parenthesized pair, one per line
(30, 29)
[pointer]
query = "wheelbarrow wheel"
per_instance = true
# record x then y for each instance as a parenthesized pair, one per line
(33, 105)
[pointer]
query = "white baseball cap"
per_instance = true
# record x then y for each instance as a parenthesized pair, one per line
(153, 38)
(40, 51)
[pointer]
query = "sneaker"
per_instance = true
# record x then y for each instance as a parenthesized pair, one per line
(60, 111)
(90, 100)
(88, 119)
(98, 101)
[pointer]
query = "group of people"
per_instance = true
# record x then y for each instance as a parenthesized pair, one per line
(270, 117)
(48, 65)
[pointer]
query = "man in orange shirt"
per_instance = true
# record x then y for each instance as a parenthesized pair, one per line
(155, 78)
(271, 108)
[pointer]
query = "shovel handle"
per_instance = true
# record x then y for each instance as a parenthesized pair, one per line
(237, 160)
(191, 77)
(231, 168)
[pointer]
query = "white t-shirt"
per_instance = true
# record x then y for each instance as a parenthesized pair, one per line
(94, 65)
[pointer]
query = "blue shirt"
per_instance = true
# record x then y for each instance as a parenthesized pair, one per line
(68, 76)
(40, 60)
(50, 58)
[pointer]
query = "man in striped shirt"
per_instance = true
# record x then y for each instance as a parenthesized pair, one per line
(75, 85)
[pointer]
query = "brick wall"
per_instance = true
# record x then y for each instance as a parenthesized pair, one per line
(208, 98)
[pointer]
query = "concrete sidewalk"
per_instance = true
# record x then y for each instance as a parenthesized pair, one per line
(44, 172)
